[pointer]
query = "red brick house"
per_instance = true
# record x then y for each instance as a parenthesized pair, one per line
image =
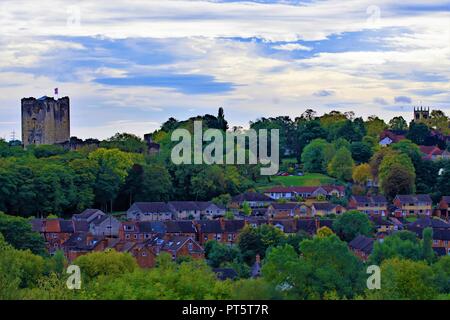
(54, 231)
(375, 205)
(225, 231)
(178, 246)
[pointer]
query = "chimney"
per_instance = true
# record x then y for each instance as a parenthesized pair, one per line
(222, 223)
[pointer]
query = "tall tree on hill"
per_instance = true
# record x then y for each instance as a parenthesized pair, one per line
(341, 165)
(398, 124)
(418, 133)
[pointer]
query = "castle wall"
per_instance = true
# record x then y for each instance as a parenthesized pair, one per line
(45, 120)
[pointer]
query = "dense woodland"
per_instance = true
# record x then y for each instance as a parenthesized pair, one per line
(49, 180)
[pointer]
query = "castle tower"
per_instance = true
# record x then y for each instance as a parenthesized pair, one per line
(421, 114)
(45, 120)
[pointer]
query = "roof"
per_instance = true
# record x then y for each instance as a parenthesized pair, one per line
(446, 199)
(370, 199)
(362, 243)
(174, 243)
(225, 273)
(151, 227)
(284, 206)
(210, 226)
(184, 205)
(305, 189)
(80, 226)
(37, 225)
(324, 206)
(233, 225)
(414, 198)
(86, 214)
(152, 206)
(289, 225)
(81, 241)
(251, 196)
(180, 226)
(430, 150)
(426, 222)
(395, 136)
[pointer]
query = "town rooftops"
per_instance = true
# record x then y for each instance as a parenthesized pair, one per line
(446, 199)
(362, 243)
(426, 222)
(374, 199)
(86, 214)
(430, 151)
(284, 206)
(324, 206)
(180, 226)
(210, 226)
(152, 206)
(184, 205)
(406, 199)
(304, 189)
(252, 196)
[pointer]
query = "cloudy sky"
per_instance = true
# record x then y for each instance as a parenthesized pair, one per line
(128, 67)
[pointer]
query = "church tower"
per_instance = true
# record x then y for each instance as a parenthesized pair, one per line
(421, 114)
(45, 120)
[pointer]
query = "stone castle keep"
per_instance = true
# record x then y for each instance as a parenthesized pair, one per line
(45, 120)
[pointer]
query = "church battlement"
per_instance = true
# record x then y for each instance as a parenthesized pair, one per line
(421, 113)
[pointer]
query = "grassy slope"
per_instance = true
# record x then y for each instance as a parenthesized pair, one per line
(309, 179)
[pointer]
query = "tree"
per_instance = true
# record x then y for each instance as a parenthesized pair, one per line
(409, 148)
(126, 142)
(108, 262)
(427, 245)
(325, 265)
(218, 253)
(405, 279)
(341, 165)
(255, 241)
(441, 271)
(351, 224)
(324, 232)
(316, 155)
(402, 245)
(418, 133)
(306, 132)
(18, 233)
(375, 126)
(399, 180)
(398, 124)
(361, 152)
(246, 209)
(362, 174)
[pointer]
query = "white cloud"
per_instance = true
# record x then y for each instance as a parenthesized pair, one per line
(292, 47)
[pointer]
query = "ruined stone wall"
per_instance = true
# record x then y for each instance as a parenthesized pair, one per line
(45, 120)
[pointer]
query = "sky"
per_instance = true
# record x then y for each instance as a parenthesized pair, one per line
(129, 66)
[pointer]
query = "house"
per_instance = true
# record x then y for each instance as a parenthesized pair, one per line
(142, 251)
(210, 210)
(283, 210)
(362, 246)
(432, 153)
(138, 231)
(388, 137)
(444, 207)
(178, 246)
(326, 208)
(104, 225)
(311, 225)
(291, 193)
(406, 205)
(375, 205)
(441, 232)
(186, 228)
(225, 231)
(88, 215)
(383, 226)
(81, 243)
(184, 210)
(54, 231)
(254, 200)
(287, 226)
(150, 211)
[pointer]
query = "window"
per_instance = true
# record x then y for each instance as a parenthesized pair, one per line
(218, 236)
(127, 236)
(230, 237)
(190, 246)
(135, 236)
(146, 236)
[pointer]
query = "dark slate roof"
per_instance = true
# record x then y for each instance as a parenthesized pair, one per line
(86, 214)
(414, 198)
(362, 243)
(151, 227)
(100, 220)
(284, 206)
(179, 226)
(79, 241)
(210, 226)
(225, 273)
(289, 225)
(252, 196)
(184, 205)
(325, 206)
(308, 225)
(446, 198)
(80, 226)
(234, 225)
(370, 199)
(66, 226)
(441, 234)
(379, 221)
(152, 206)
(425, 222)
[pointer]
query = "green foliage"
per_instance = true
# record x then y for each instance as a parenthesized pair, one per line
(109, 262)
(45, 151)
(405, 279)
(316, 155)
(351, 224)
(402, 244)
(246, 209)
(361, 152)
(255, 241)
(218, 253)
(18, 233)
(341, 165)
(125, 142)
